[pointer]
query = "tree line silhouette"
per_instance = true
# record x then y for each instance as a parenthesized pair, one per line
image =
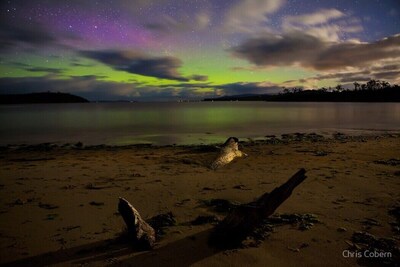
(372, 91)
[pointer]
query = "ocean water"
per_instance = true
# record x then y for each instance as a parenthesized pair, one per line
(187, 123)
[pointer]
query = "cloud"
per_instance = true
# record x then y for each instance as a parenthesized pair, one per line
(274, 50)
(243, 88)
(326, 24)
(319, 17)
(87, 86)
(23, 34)
(248, 15)
(358, 55)
(301, 49)
(203, 20)
(389, 73)
(166, 24)
(95, 88)
(90, 87)
(138, 63)
(44, 69)
(200, 78)
(237, 88)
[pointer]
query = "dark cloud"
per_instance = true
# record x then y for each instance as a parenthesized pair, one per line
(44, 69)
(238, 88)
(273, 50)
(169, 25)
(298, 48)
(386, 67)
(77, 64)
(357, 55)
(94, 88)
(243, 88)
(19, 64)
(200, 78)
(137, 63)
(88, 86)
(389, 73)
(23, 33)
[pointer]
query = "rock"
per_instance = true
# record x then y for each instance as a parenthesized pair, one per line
(204, 220)
(51, 217)
(161, 221)
(382, 246)
(240, 187)
(363, 237)
(313, 137)
(341, 229)
(47, 206)
(303, 221)
(94, 203)
(79, 145)
(371, 222)
(207, 189)
(390, 162)
(293, 249)
(142, 234)
(320, 153)
(339, 136)
(395, 212)
(18, 202)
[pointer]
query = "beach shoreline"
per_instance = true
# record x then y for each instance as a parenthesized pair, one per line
(62, 199)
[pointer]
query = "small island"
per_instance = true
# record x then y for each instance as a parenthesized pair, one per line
(36, 98)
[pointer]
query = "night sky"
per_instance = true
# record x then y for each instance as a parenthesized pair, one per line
(191, 49)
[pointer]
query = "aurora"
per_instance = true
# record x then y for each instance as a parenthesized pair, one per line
(171, 50)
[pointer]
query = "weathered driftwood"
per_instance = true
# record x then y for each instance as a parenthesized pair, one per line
(142, 234)
(229, 151)
(245, 218)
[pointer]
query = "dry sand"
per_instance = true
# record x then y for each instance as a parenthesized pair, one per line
(59, 205)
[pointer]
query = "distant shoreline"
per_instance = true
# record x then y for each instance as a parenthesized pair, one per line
(40, 98)
(372, 91)
(392, 95)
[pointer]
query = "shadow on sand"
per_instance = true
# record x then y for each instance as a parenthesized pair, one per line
(191, 249)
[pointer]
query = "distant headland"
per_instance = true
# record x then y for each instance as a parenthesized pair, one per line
(372, 91)
(36, 98)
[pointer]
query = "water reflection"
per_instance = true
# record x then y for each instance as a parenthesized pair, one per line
(184, 123)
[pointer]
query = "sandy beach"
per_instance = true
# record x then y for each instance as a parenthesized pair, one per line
(59, 204)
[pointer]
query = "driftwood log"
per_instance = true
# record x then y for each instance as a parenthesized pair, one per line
(229, 151)
(139, 231)
(245, 218)
(231, 231)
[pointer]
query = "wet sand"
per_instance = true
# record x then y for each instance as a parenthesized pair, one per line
(59, 204)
